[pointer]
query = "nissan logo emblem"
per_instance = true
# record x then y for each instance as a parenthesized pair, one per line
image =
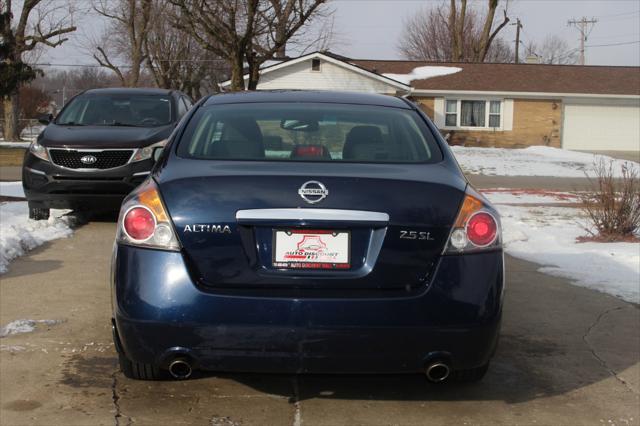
(313, 191)
(88, 159)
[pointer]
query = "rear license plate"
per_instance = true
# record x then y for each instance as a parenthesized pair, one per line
(311, 249)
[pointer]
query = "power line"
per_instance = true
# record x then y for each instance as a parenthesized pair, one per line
(613, 44)
(619, 14)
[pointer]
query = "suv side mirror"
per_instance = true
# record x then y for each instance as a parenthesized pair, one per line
(45, 119)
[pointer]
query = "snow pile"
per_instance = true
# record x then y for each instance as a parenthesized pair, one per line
(422, 73)
(19, 234)
(24, 326)
(532, 161)
(12, 189)
(547, 235)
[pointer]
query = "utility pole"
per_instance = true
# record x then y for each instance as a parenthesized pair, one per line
(583, 26)
(518, 25)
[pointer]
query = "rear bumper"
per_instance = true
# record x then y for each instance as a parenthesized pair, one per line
(49, 186)
(158, 310)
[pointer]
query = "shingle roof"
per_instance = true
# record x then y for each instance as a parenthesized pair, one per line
(518, 77)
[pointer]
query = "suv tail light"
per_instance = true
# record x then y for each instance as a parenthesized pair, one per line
(476, 228)
(144, 220)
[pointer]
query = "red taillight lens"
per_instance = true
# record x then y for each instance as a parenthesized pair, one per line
(139, 223)
(482, 229)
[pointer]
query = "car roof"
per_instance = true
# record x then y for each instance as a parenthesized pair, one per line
(128, 91)
(306, 96)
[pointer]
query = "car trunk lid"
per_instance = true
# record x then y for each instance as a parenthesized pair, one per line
(228, 214)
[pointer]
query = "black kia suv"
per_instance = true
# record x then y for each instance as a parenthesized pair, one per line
(100, 147)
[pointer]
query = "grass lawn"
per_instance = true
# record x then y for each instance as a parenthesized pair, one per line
(11, 156)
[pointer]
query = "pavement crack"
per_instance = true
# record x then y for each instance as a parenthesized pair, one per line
(116, 401)
(595, 354)
(295, 400)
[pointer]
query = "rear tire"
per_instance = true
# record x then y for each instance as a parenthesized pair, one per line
(137, 370)
(471, 375)
(38, 213)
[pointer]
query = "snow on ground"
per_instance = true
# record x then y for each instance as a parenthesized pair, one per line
(24, 326)
(18, 233)
(547, 235)
(532, 161)
(422, 73)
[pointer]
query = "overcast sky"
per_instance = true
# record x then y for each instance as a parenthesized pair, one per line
(371, 28)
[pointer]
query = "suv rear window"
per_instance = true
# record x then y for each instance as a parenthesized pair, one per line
(309, 132)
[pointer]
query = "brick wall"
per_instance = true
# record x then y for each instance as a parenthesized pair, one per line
(426, 105)
(535, 122)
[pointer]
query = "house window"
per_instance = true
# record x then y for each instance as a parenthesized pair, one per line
(315, 65)
(451, 118)
(494, 114)
(473, 113)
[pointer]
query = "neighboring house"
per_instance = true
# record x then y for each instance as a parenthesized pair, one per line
(488, 104)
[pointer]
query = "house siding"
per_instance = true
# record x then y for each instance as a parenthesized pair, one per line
(330, 77)
(535, 122)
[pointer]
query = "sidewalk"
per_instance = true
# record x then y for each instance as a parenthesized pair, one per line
(530, 182)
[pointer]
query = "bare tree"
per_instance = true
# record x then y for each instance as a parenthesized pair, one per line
(124, 38)
(40, 23)
(455, 32)
(280, 22)
(553, 50)
(245, 31)
(176, 60)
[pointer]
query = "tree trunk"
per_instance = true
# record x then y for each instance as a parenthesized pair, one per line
(460, 31)
(254, 71)
(11, 130)
(453, 36)
(237, 80)
(485, 37)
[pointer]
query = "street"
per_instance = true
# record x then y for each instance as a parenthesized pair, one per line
(567, 355)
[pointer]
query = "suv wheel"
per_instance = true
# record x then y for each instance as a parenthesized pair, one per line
(37, 213)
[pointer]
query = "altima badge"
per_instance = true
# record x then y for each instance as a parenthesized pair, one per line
(215, 229)
(313, 191)
(88, 159)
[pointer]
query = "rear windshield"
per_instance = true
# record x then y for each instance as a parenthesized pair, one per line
(117, 110)
(309, 132)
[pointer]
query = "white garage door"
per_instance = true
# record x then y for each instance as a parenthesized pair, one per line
(612, 128)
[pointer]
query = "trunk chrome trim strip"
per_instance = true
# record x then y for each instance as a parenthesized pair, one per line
(312, 214)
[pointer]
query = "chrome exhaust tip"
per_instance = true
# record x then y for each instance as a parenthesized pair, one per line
(437, 372)
(180, 369)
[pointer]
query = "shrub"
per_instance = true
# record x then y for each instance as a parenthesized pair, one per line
(613, 204)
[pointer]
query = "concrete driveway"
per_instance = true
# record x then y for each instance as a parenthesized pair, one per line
(568, 356)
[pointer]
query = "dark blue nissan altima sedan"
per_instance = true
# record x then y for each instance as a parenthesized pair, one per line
(307, 232)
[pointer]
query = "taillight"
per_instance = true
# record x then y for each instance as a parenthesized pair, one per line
(144, 221)
(476, 228)
(139, 223)
(482, 229)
